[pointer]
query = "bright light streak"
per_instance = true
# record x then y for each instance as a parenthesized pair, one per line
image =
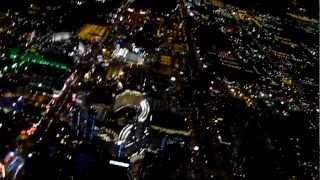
(117, 163)
(125, 132)
(145, 108)
(142, 12)
(20, 98)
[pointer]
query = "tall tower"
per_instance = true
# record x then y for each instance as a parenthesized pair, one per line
(83, 122)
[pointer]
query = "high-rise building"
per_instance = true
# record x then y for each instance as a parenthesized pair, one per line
(83, 123)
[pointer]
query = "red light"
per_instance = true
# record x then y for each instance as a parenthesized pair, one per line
(23, 132)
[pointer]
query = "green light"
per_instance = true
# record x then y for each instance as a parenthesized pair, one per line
(13, 53)
(34, 57)
(21, 63)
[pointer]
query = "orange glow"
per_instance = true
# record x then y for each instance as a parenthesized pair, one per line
(2, 171)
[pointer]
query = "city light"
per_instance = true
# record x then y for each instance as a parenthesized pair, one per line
(159, 89)
(2, 170)
(118, 163)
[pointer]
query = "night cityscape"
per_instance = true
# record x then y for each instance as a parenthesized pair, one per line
(159, 90)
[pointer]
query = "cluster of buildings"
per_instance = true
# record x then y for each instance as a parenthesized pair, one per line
(191, 90)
